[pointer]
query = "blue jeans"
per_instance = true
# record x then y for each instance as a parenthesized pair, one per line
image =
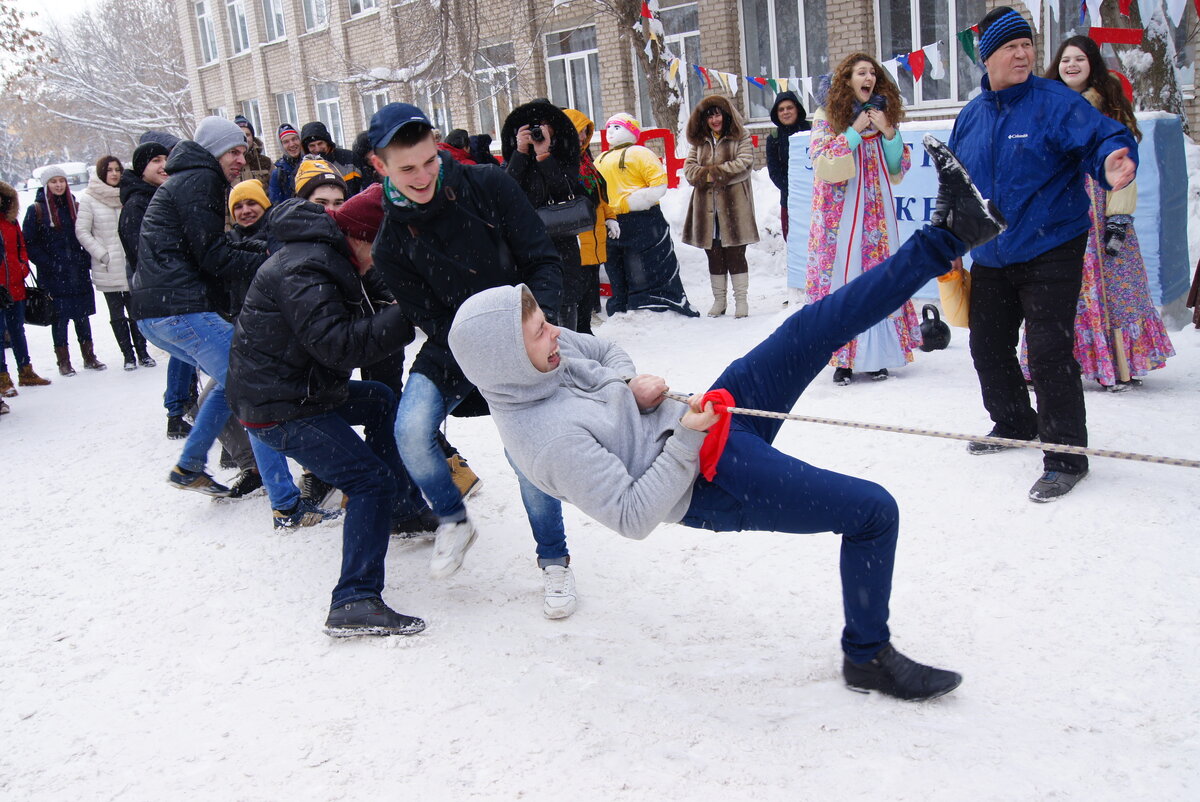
(378, 489)
(202, 339)
(12, 320)
(421, 412)
(761, 489)
(181, 386)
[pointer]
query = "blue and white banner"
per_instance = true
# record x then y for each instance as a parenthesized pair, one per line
(1160, 220)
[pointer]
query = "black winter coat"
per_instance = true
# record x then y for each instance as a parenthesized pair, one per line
(478, 232)
(64, 268)
(777, 143)
(185, 263)
(135, 197)
(555, 178)
(307, 323)
(238, 286)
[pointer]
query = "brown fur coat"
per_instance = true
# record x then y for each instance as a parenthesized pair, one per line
(718, 169)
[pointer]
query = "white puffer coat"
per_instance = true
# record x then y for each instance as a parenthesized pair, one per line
(96, 230)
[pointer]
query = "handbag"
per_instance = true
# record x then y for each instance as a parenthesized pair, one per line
(955, 291)
(573, 216)
(39, 306)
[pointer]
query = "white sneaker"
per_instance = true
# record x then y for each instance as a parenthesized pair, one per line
(450, 547)
(560, 591)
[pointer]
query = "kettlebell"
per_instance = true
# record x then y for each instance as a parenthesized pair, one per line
(935, 335)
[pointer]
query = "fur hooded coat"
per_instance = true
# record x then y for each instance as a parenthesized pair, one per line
(721, 211)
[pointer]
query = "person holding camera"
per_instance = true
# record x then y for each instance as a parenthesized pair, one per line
(541, 153)
(857, 155)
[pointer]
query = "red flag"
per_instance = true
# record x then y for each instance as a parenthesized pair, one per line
(916, 63)
(707, 79)
(646, 11)
(1123, 6)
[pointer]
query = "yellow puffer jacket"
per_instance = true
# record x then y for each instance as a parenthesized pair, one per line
(593, 244)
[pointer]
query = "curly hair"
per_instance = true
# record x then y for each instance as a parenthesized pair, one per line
(839, 106)
(1113, 102)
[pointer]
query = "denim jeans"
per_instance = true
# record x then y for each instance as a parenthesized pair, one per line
(181, 386)
(421, 412)
(378, 489)
(761, 489)
(12, 320)
(202, 339)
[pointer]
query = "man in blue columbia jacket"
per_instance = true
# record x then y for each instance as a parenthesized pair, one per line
(1027, 143)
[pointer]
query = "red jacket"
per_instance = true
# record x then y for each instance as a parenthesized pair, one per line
(16, 261)
(460, 155)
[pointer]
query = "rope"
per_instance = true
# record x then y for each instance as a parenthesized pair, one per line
(1057, 448)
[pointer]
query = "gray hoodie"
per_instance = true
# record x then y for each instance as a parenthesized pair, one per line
(576, 432)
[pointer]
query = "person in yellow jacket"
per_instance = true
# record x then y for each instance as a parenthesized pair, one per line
(593, 245)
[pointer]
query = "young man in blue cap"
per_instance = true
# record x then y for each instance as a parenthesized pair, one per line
(450, 231)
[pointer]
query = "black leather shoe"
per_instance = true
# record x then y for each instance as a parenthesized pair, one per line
(245, 483)
(1054, 485)
(959, 208)
(894, 674)
(369, 617)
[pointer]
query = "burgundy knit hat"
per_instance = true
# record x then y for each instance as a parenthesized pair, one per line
(362, 215)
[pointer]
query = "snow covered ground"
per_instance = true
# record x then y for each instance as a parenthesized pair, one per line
(157, 645)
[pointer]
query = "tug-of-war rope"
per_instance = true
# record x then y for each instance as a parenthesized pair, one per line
(999, 441)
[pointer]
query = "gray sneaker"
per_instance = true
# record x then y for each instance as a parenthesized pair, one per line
(1054, 485)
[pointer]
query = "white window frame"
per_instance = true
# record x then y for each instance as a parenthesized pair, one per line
(315, 14)
(274, 27)
(207, 34)
(502, 78)
(775, 70)
(251, 111)
(329, 110)
(373, 101)
(951, 50)
(572, 62)
(285, 107)
(677, 45)
(359, 7)
(219, 111)
(434, 103)
(239, 30)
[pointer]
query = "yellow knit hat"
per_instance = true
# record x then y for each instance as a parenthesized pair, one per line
(251, 189)
(313, 173)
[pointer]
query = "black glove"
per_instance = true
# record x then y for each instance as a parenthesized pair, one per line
(1114, 235)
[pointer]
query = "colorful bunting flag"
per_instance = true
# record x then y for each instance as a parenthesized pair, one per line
(674, 69)
(933, 61)
(916, 64)
(967, 40)
(732, 81)
(760, 82)
(783, 84)
(773, 84)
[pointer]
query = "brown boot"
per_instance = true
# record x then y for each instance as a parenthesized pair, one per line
(464, 478)
(27, 378)
(64, 360)
(6, 386)
(89, 357)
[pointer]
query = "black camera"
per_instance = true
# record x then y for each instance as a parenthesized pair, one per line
(535, 133)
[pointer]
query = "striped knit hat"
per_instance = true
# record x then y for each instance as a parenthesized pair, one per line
(1000, 26)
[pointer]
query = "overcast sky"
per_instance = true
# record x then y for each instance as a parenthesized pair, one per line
(60, 10)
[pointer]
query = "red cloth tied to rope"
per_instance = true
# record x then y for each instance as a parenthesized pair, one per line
(718, 433)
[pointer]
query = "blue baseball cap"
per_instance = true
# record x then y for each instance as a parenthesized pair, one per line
(388, 121)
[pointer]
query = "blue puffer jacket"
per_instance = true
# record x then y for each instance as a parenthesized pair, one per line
(283, 179)
(1027, 148)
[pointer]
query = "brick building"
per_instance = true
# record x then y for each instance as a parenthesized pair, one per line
(467, 62)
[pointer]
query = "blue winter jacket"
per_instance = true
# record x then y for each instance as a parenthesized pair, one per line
(283, 180)
(1027, 148)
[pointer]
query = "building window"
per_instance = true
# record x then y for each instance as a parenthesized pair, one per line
(329, 110)
(204, 28)
(681, 26)
(573, 70)
(239, 35)
(285, 106)
(908, 25)
(252, 113)
(273, 28)
(218, 111)
(359, 6)
(434, 104)
(316, 14)
(495, 86)
(784, 39)
(373, 102)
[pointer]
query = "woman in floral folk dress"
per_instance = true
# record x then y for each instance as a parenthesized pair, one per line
(1117, 329)
(857, 155)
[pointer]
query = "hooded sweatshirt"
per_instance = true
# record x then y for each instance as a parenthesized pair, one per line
(576, 432)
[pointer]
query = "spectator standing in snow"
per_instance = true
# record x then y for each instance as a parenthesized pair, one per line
(1029, 141)
(258, 164)
(63, 267)
(97, 230)
(13, 270)
(450, 230)
(720, 215)
(316, 140)
(584, 426)
(789, 117)
(481, 150)
(185, 266)
(283, 178)
(593, 245)
(138, 185)
(857, 156)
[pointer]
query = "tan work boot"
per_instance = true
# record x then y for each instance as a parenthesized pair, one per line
(89, 357)
(6, 386)
(741, 283)
(464, 478)
(719, 286)
(64, 360)
(27, 378)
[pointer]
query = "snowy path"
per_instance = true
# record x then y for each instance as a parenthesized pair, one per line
(160, 646)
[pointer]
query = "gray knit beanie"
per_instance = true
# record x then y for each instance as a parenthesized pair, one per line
(219, 136)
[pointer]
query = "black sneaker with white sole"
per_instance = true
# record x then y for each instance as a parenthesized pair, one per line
(893, 674)
(369, 617)
(959, 208)
(423, 524)
(1054, 485)
(979, 448)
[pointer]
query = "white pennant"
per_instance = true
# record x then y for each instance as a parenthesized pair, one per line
(1175, 9)
(806, 87)
(1093, 7)
(893, 66)
(1035, 11)
(733, 83)
(933, 61)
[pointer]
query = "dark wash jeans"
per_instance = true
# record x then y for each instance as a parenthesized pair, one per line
(761, 489)
(1043, 293)
(378, 489)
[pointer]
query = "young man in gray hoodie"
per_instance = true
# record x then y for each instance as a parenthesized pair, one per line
(581, 424)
